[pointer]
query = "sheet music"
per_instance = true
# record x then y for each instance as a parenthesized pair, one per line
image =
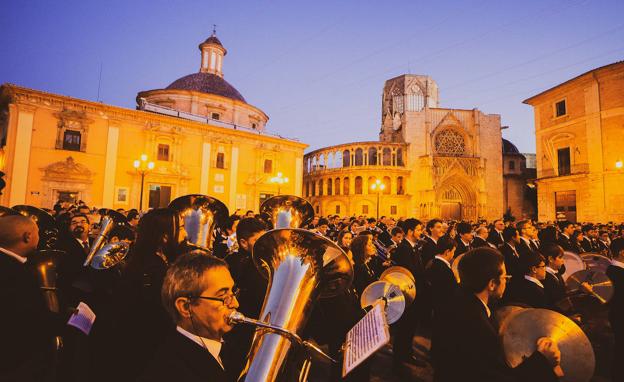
(83, 319)
(365, 338)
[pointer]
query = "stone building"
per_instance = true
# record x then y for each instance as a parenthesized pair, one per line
(579, 129)
(201, 134)
(519, 198)
(434, 162)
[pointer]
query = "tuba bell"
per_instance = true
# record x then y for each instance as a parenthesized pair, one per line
(6, 211)
(48, 229)
(110, 219)
(200, 215)
(287, 211)
(300, 267)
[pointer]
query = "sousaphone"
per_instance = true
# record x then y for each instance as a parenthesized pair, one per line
(287, 211)
(110, 219)
(48, 230)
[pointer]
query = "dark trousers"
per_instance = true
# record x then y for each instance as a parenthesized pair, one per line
(404, 331)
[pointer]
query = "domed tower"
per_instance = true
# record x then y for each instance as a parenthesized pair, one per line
(205, 94)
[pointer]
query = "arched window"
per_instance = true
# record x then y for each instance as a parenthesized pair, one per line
(372, 156)
(345, 186)
(307, 189)
(450, 142)
(314, 164)
(399, 156)
(321, 162)
(329, 187)
(320, 187)
(400, 186)
(416, 101)
(358, 185)
(388, 183)
(387, 156)
(346, 158)
(338, 159)
(313, 188)
(397, 103)
(359, 157)
(330, 161)
(337, 186)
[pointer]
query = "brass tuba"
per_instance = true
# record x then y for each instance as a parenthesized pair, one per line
(287, 211)
(300, 267)
(110, 219)
(200, 215)
(48, 229)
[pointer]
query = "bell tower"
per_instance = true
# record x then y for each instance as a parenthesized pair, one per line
(212, 52)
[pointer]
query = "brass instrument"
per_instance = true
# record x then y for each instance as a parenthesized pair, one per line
(45, 263)
(287, 211)
(110, 255)
(48, 230)
(6, 211)
(200, 215)
(110, 219)
(523, 327)
(300, 267)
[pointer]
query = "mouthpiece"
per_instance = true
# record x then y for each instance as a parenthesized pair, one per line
(236, 318)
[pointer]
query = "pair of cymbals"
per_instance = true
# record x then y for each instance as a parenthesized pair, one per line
(396, 287)
(520, 328)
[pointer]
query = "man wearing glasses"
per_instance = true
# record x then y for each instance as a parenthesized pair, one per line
(465, 345)
(528, 289)
(199, 295)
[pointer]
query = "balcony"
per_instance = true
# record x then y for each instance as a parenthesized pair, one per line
(576, 169)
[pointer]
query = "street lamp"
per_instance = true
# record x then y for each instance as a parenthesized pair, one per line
(142, 166)
(279, 179)
(378, 187)
(619, 164)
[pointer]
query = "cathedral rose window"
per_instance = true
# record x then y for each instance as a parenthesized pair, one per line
(449, 142)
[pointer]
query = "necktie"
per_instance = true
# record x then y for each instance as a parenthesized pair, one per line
(85, 245)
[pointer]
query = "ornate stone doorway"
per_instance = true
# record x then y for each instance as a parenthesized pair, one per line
(451, 211)
(66, 180)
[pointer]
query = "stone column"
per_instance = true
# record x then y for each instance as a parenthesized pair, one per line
(298, 177)
(233, 176)
(205, 169)
(110, 167)
(18, 178)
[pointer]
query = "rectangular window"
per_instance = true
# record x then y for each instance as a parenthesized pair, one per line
(393, 210)
(560, 108)
(268, 166)
(512, 165)
(254, 126)
(71, 140)
(159, 196)
(215, 116)
(365, 209)
(163, 152)
(563, 161)
(337, 208)
(220, 160)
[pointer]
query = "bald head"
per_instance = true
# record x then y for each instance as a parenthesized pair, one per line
(19, 234)
(482, 232)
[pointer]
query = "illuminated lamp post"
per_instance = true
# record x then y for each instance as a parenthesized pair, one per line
(378, 187)
(143, 167)
(279, 180)
(619, 164)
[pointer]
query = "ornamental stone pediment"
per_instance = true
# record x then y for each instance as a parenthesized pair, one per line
(67, 170)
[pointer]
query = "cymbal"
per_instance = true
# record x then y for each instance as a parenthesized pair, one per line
(600, 282)
(524, 328)
(402, 278)
(395, 301)
(596, 261)
(503, 314)
(455, 266)
(573, 263)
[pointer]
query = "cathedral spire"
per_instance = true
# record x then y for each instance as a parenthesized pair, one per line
(212, 52)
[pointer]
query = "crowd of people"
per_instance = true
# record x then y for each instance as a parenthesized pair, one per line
(162, 313)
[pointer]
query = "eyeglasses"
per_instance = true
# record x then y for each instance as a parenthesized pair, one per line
(226, 301)
(506, 277)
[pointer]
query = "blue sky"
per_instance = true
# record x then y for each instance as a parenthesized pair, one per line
(317, 68)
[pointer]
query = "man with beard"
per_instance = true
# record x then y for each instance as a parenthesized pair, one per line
(199, 295)
(71, 273)
(465, 342)
(252, 290)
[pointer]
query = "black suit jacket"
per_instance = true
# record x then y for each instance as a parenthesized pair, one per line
(461, 247)
(523, 291)
(181, 359)
(554, 288)
(408, 257)
(512, 262)
(478, 242)
(566, 244)
(523, 248)
(72, 275)
(27, 327)
(429, 250)
(495, 238)
(442, 283)
(465, 346)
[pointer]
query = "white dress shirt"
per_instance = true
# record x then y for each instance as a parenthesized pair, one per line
(443, 260)
(551, 271)
(213, 347)
(487, 309)
(616, 263)
(534, 280)
(14, 255)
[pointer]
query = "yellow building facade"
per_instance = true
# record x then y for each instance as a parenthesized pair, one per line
(579, 130)
(434, 162)
(200, 133)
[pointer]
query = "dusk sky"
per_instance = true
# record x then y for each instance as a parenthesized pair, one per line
(317, 68)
